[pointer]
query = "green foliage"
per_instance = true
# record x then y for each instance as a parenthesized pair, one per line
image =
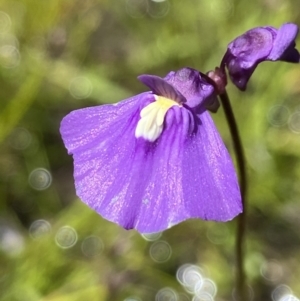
(57, 56)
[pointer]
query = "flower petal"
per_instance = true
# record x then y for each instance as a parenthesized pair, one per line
(211, 188)
(81, 128)
(161, 88)
(148, 186)
(191, 175)
(240, 76)
(257, 45)
(195, 88)
(284, 44)
(102, 142)
(252, 47)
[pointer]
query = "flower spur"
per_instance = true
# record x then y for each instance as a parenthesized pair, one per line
(155, 159)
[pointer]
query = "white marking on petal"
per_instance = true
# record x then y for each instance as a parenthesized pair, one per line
(145, 201)
(160, 117)
(114, 199)
(150, 125)
(147, 110)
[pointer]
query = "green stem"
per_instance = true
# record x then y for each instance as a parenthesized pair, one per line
(241, 289)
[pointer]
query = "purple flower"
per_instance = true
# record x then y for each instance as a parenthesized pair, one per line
(257, 45)
(155, 159)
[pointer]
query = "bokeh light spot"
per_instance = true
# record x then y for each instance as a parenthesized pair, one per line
(40, 179)
(159, 9)
(136, 8)
(192, 278)
(152, 236)
(217, 234)
(221, 8)
(294, 123)
(5, 22)
(20, 139)
(278, 115)
(271, 270)
(39, 228)
(280, 291)
(203, 297)
(183, 297)
(166, 294)
(180, 272)
(92, 246)
(160, 251)
(66, 237)
(207, 286)
(9, 56)
(80, 87)
(11, 241)
(289, 297)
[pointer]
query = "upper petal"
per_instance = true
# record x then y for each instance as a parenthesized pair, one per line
(193, 87)
(251, 47)
(160, 87)
(284, 44)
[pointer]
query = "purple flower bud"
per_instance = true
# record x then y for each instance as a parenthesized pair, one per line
(155, 159)
(257, 45)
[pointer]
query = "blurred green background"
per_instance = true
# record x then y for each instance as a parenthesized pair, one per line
(60, 55)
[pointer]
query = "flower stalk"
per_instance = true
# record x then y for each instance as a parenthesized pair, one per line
(241, 288)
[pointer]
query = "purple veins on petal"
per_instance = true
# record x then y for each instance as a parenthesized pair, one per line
(257, 45)
(161, 88)
(186, 172)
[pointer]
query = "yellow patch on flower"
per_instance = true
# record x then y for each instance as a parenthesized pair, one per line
(151, 123)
